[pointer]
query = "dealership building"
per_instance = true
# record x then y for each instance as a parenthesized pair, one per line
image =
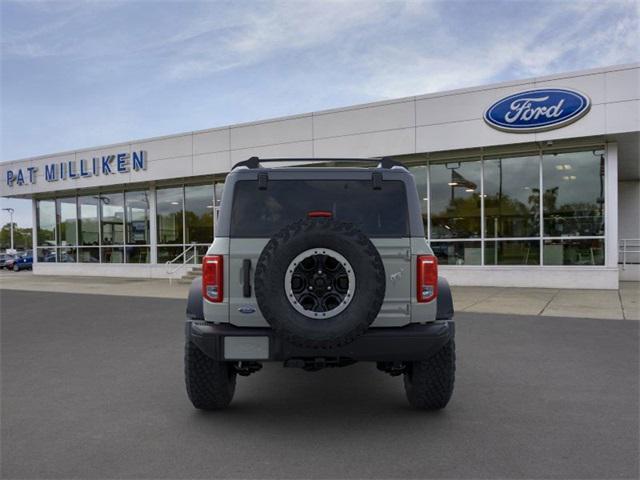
(532, 183)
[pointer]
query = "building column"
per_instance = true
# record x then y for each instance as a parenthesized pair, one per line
(611, 205)
(34, 230)
(153, 233)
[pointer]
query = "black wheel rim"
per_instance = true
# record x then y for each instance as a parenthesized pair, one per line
(320, 283)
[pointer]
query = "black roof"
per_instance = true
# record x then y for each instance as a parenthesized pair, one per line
(255, 162)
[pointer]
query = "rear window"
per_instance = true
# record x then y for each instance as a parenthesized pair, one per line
(261, 213)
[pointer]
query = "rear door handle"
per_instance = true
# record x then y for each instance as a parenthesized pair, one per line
(246, 278)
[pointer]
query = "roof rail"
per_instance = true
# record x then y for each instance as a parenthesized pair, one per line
(254, 162)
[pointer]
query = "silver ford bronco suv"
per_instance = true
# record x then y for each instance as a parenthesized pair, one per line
(320, 267)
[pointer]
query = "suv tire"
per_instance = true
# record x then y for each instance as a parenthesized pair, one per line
(429, 383)
(210, 384)
(362, 307)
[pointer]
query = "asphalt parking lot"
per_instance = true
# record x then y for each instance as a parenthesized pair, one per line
(92, 387)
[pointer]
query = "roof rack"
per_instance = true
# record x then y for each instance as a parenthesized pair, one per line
(384, 162)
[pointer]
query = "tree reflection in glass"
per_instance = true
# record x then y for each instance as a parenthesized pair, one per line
(46, 222)
(512, 197)
(169, 215)
(198, 213)
(573, 193)
(455, 199)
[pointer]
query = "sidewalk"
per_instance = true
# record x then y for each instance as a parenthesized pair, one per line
(129, 287)
(608, 304)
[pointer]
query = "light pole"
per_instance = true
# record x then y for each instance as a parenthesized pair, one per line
(10, 210)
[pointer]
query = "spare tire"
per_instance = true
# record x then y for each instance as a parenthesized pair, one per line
(319, 283)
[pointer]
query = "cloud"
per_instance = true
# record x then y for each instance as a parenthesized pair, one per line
(399, 49)
(396, 48)
(270, 30)
(557, 39)
(102, 72)
(47, 32)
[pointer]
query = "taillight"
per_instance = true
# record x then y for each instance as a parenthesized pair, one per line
(212, 278)
(427, 278)
(319, 214)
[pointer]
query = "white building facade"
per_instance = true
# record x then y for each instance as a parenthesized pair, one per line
(531, 183)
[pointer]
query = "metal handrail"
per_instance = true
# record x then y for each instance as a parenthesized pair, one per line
(628, 245)
(186, 261)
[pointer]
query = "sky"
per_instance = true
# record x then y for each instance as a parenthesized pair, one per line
(87, 73)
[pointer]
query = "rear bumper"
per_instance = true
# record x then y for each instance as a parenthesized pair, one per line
(410, 343)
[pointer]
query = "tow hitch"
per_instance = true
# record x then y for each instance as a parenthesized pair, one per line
(247, 368)
(315, 364)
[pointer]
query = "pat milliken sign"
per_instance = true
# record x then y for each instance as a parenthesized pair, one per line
(537, 110)
(105, 165)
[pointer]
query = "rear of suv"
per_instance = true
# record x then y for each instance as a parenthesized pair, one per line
(320, 267)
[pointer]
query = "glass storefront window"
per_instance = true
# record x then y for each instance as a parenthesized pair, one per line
(46, 218)
(66, 255)
(219, 189)
(455, 199)
(46, 255)
(67, 221)
(512, 197)
(96, 221)
(420, 175)
(137, 254)
(88, 228)
(201, 251)
(574, 252)
(112, 218)
(89, 255)
(166, 254)
(111, 254)
(573, 198)
(512, 252)
(137, 218)
(457, 253)
(115, 227)
(169, 207)
(198, 213)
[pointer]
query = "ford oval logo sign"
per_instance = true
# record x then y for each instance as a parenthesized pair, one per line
(537, 110)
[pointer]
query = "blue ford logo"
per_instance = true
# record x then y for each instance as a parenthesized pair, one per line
(537, 110)
(246, 309)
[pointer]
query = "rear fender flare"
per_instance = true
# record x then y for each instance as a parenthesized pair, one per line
(195, 310)
(445, 300)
